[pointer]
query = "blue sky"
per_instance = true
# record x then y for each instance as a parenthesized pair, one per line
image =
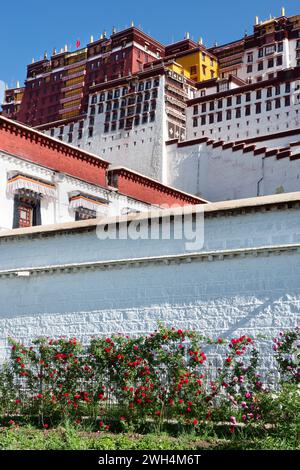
(30, 28)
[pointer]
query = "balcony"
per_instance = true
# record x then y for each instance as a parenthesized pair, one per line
(178, 91)
(74, 75)
(175, 113)
(69, 110)
(176, 102)
(78, 96)
(75, 65)
(73, 87)
(231, 58)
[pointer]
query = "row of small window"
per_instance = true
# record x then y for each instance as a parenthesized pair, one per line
(137, 121)
(267, 50)
(130, 111)
(128, 123)
(238, 100)
(71, 129)
(123, 92)
(118, 147)
(270, 64)
(40, 82)
(79, 135)
(125, 102)
(238, 112)
(194, 70)
(105, 60)
(247, 133)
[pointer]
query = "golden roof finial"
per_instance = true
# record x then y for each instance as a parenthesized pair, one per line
(282, 11)
(132, 23)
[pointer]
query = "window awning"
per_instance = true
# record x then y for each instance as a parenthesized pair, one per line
(19, 182)
(88, 203)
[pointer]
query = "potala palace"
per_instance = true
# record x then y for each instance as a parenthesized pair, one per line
(220, 122)
(123, 127)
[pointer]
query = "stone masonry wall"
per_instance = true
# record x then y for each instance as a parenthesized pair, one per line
(254, 291)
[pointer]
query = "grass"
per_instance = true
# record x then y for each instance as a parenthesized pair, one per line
(68, 438)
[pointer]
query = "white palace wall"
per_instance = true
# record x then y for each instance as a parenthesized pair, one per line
(245, 278)
(218, 174)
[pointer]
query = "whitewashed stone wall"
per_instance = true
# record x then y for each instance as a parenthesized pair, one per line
(217, 174)
(141, 148)
(257, 292)
(267, 122)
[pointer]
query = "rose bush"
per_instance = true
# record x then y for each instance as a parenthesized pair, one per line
(122, 382)
(287, 353)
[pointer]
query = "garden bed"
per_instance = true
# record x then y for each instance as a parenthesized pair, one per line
(148, 385)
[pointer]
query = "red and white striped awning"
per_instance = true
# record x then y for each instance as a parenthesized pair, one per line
(88, 203)
(19, 182)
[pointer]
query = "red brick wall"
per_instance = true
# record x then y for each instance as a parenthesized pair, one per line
(45, 151)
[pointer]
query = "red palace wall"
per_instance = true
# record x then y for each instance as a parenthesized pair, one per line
(147, 190)
(31, 145)
(22, 142)
(43, 89)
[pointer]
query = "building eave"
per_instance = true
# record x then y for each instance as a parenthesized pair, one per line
(260, 204)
